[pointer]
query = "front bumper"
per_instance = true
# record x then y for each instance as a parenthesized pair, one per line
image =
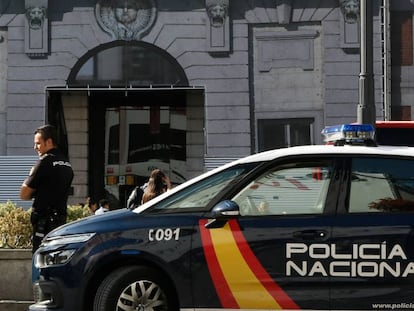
(47, 296)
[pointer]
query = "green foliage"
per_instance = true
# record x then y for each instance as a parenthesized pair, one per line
(76, 212)
(15, 226)
(6, 208)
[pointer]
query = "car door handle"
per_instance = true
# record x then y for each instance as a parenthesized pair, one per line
(310, 234)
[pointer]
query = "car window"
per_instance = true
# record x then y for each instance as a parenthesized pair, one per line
(299, 188)
(382, 185)
(198, 196)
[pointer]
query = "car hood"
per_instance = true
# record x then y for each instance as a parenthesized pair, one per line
(110, 221)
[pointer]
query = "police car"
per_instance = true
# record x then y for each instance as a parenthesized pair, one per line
(304, 228)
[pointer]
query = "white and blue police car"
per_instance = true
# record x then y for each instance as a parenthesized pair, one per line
(325, 227)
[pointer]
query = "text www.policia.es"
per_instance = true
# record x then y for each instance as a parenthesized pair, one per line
(393, 306)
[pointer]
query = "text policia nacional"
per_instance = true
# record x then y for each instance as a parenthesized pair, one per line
(363, 260)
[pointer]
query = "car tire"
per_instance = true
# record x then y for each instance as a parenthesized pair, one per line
(133, 287)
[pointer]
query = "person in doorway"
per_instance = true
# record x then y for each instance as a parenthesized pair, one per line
(158, 183)
(103, 207)
(48, 184)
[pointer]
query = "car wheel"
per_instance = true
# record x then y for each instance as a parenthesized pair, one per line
(133, 288)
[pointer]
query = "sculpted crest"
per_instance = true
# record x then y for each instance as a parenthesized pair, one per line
(126, 19)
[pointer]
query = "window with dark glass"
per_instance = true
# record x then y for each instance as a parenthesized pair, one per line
(295, 188)
(129, 65)
(382, 185)
(279, 133)
(113, 145)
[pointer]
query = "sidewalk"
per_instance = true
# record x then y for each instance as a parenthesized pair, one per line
(13, 305)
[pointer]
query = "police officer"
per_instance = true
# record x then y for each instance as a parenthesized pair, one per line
(48, 184)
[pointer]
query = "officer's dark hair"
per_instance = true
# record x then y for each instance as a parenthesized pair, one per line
(47, 132)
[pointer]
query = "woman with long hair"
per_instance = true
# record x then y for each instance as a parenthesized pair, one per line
(158, 183)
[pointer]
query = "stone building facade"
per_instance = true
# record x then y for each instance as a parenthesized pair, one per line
(185, 85)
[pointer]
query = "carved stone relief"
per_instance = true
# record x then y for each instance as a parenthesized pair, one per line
(126, 19)
(36, 28)
(350, 10)
(36, 16)
(217, 11)
(3, 6)
(349, 23)
(218, 26)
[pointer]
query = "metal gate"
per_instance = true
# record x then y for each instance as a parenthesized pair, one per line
(13, 171)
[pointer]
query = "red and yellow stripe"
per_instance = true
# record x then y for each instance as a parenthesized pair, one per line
(239, 278)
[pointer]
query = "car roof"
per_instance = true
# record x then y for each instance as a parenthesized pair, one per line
(328, 149)
(292, 151)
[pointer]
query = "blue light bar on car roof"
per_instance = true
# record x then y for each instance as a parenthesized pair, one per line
(349, 134)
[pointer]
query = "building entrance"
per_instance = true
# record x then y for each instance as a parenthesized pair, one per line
(128, 109)
(114, 138)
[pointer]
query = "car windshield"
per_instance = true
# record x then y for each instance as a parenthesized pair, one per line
(198, 196)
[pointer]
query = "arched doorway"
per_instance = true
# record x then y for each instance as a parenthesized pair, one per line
(127, 63)
(134, 102)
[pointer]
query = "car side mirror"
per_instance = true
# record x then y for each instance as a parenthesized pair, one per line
(221, 212)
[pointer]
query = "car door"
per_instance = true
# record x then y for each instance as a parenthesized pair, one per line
(267, 257)
(372, 250)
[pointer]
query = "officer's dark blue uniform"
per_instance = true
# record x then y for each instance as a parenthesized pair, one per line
(51, 177)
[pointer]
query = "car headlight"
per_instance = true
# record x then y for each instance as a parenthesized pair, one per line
(54, 258)
(59, 256)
